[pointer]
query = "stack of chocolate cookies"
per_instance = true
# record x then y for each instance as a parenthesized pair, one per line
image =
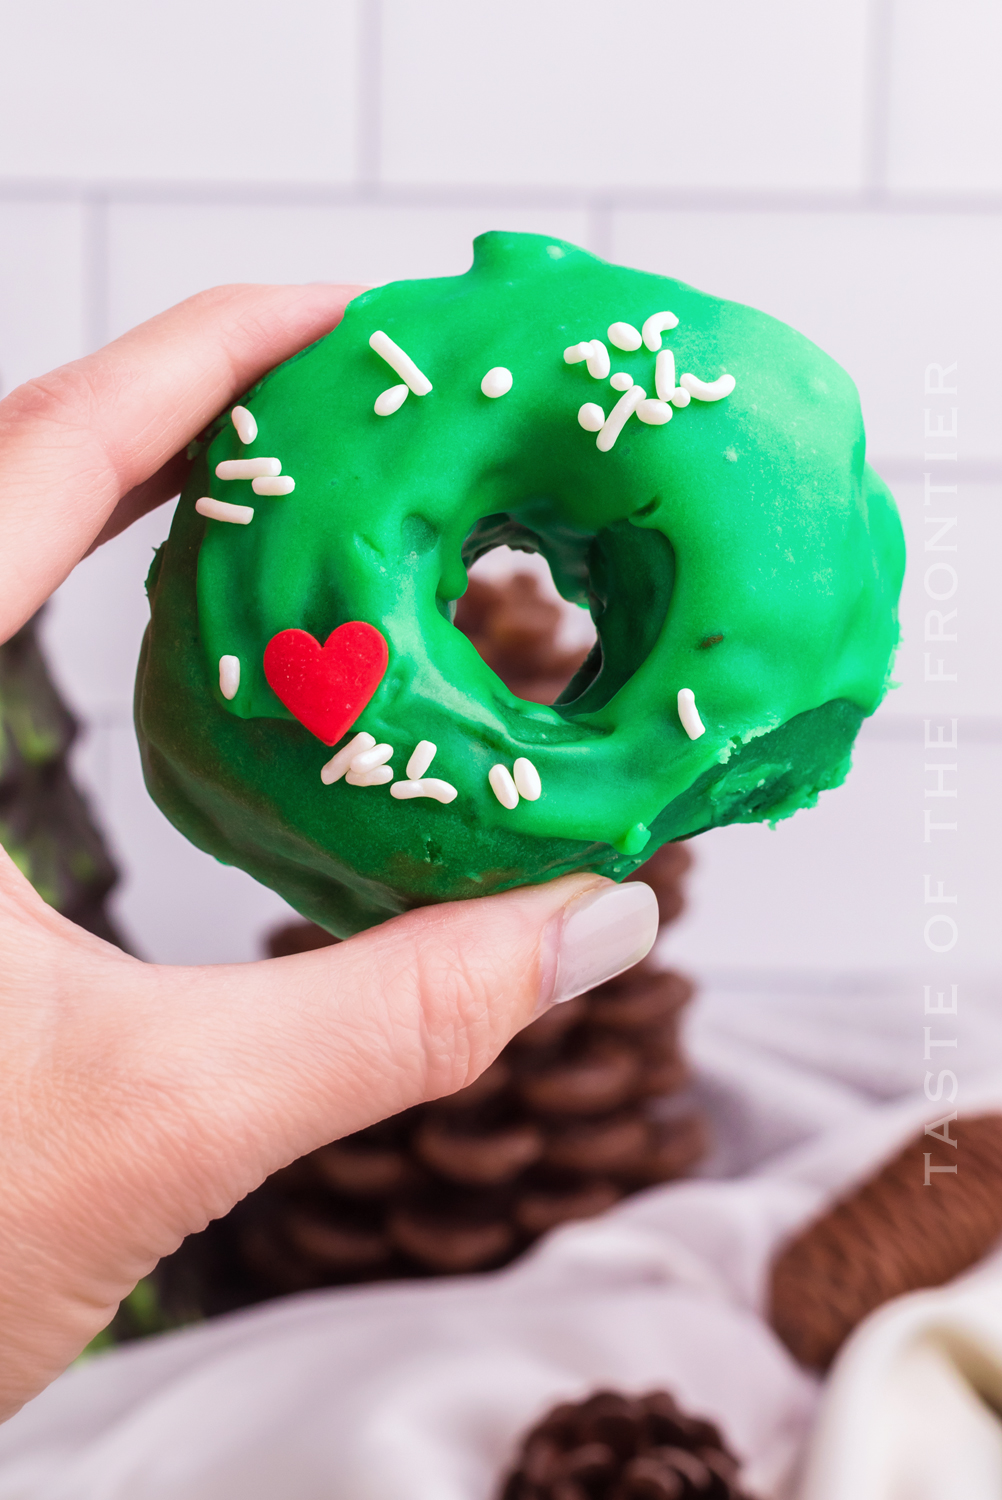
(582, 1107)
(909, 1226)
(516, 631)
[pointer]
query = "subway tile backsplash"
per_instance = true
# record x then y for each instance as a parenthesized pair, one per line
(836, 165)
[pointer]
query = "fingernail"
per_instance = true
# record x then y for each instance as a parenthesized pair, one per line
(599, 935)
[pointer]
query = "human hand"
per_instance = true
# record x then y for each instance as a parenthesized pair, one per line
(138, 1102)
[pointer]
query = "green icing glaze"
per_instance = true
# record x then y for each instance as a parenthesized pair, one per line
(744, 550)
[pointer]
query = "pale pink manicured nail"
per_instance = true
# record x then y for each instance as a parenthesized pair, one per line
(599, 935)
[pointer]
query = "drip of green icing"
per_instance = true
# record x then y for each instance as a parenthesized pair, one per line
(634, 840)
(752, 525)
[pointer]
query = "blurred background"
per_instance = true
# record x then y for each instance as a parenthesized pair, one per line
(838, 166)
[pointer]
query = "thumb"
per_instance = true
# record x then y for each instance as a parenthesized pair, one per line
(281, 1057)
(150, 1100)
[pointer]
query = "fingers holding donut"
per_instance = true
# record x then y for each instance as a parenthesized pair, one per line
(110, 428)
(138, 1102)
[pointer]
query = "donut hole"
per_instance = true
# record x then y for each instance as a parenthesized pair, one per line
(565, 619)
(631, 576)
(534, 640)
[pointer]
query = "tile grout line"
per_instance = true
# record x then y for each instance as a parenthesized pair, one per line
(600, 230)
(857, 982)
(372, 194)
(370, 78)
(877, 103)
(96, 316)
(890, 727)
(904, 470)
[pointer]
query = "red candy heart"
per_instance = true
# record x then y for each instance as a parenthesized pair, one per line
(327, 686)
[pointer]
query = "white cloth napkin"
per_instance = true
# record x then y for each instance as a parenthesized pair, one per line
(912, 1409)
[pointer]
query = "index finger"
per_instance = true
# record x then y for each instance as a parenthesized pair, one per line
(114, 424)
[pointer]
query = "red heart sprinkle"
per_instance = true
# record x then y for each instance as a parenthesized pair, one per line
(327, 686)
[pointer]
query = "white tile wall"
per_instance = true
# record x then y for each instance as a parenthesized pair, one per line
(159, 254)
(236, 90)
(884, 293)
(183, 906)
(841, 888)
(736, 96)
(42, 308)
(836, 164)
(177, 904)
(94, 644)
(977, 693)
(946, 105)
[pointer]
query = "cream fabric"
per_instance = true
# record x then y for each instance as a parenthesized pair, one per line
(912, 1408)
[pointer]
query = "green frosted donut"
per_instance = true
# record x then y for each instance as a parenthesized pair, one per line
(733, 548)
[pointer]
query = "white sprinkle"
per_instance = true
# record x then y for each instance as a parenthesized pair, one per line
(621, 381)
(219, 510)
(654, 413)
(428, 786)
(526, 778)
(283, 486)
(400, 362)
(624, 336)
(599, 363)
(619, 416)
(422, 755)
(713, 390)
(244, 422)
(378, 776)
(575, 353)
(680, 397)
(503, 786)
(664, 375)
(229, 676)
(247, 468)
(497, 382)
(369, 757)
(389, 401)
(591, 417)
(341, 762)
(691, 722)
(655, 326)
